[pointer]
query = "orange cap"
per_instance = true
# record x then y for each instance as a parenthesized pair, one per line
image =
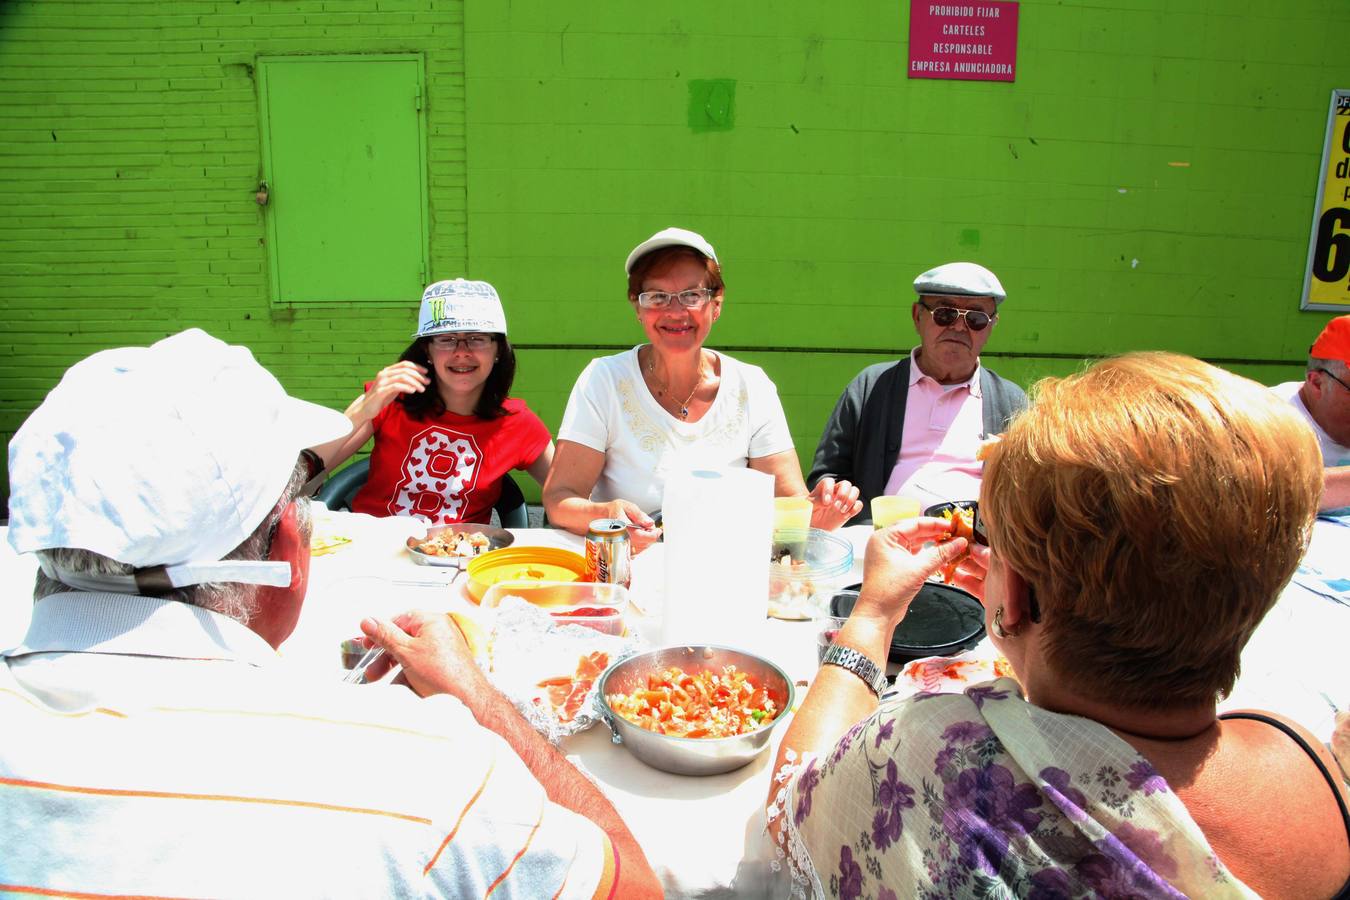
(1334, 341)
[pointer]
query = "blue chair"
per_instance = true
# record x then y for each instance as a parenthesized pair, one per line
(337, 493)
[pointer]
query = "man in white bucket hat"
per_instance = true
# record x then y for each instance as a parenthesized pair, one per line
(154, 744)
(913, 428)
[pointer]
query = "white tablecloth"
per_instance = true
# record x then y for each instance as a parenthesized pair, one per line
(706, 835)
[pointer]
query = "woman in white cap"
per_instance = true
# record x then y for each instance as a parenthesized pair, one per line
(445, 430)
(636, 416)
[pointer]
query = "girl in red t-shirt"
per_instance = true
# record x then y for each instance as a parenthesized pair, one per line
(450, 433)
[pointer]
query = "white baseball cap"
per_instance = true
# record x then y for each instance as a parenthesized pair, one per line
(459, 305)
(169, 455)
(960, 279)
(670, 237)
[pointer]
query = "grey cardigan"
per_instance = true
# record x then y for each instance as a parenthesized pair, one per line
(861, 441)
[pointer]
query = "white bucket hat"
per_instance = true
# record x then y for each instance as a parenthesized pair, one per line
(168, 455)
(459, 305)
(669, 237)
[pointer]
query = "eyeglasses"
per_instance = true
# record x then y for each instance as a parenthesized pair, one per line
(694, 298)
(471, 341)
(1333, 378)
(946, 316)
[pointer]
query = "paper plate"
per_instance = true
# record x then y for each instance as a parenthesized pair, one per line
(523, 564)
(497, 538)
(941, 621)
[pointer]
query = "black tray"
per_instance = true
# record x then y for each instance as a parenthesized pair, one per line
(941, 621)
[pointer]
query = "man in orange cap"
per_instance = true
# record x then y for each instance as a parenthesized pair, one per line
(1323, 397)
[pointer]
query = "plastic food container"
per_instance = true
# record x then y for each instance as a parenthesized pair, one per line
(523, 564)
(802, 588)
(601, 607)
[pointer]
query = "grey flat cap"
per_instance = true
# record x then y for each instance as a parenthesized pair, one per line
(962, 279)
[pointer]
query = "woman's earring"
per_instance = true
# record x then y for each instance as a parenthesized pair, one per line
(999, 630)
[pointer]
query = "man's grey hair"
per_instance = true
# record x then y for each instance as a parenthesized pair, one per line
(1336, 367)
(237, 601)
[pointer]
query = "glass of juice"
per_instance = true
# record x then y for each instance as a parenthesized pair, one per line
(791, 526)
(887, 510)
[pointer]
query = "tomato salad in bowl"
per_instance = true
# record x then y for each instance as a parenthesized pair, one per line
(694, 710)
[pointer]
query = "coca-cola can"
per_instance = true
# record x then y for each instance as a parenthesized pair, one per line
(609, 555)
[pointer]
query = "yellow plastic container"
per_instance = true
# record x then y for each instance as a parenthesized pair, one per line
(523, 564)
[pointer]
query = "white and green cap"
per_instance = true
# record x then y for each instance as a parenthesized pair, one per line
(460, 305)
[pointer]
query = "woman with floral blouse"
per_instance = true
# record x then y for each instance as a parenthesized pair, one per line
(1142, 516)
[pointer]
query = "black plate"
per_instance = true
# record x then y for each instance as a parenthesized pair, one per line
(942, 621)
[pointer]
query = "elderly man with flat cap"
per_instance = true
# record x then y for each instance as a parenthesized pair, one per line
(154, 745)
(1323, 398)
(914, 427)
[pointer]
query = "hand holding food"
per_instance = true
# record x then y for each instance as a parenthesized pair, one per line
(899, 559)
(962, 519)
(970, 571)
(432, 649)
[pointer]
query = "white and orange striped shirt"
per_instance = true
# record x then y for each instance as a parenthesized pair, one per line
(155, 749)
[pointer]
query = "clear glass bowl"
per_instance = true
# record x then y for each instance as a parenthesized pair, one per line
(801, 588)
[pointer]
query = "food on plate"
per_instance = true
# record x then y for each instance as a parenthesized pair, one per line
(936, 674)
(323, 545)
(455, 543)
(566, 695)
(703, 705)
(963, 525)
(604, 619)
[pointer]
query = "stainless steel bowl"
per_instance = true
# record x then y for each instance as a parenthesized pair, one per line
(692, 756)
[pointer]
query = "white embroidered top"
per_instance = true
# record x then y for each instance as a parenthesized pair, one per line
(611, 410)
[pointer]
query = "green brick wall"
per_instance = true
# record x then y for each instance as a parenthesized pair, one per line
(1146, 183)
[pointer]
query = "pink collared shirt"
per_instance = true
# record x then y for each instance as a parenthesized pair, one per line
(943, 426)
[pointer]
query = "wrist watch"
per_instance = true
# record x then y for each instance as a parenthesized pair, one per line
(858, 664)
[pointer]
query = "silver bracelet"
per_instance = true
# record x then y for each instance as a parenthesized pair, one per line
(857, 663)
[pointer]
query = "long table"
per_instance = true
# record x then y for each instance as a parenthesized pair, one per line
(701, 835)
(705, 836)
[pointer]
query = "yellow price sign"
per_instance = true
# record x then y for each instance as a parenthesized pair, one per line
(1326, 281)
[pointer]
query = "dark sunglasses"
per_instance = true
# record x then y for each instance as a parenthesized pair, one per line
(946, 316)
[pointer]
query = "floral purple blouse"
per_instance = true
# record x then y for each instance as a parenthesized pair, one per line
(981, 794)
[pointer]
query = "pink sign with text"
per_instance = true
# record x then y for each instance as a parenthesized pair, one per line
(975, 41)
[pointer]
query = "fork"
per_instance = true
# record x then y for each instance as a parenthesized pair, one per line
(358, 672)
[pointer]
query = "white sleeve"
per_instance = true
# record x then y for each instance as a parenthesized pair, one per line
(768, 424)
(585, 420)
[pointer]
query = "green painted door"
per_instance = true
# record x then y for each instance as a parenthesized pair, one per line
(344, 160)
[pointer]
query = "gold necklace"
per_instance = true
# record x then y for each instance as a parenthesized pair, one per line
(663, 388)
